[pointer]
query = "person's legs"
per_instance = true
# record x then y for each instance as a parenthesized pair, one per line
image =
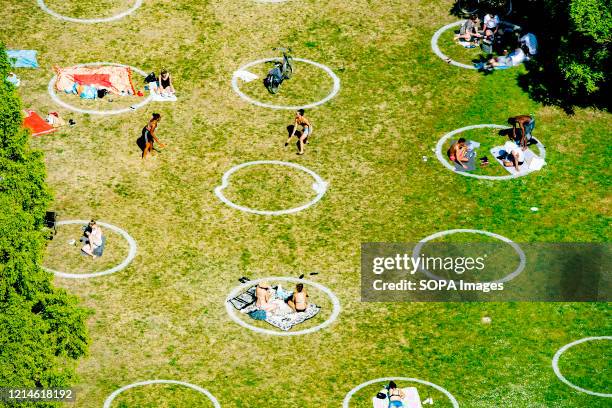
(301, 142)
(147, 149)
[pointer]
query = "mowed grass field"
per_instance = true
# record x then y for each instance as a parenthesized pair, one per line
(164, 316)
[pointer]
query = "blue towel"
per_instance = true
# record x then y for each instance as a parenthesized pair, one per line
(22, 58)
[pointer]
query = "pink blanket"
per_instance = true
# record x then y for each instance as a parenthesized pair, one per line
(117, 80)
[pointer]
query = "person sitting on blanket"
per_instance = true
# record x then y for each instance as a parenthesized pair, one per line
(396, 396)
(93, 238)
(514, 156)
(263, 296)
(166, 87)
(490, 22)
(515, 58)
(469, 29)
(457, 153)
(526, 123)
(298, 301)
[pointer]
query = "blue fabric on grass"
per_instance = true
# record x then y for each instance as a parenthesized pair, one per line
(22, 58)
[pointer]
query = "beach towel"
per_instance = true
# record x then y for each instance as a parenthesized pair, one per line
(532, 162)
(411, 399)
(22, 58)
(36, 124)
(116, 80)
(285, 318)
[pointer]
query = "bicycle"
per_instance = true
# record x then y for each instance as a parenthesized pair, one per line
(469, 7)
(281, 71)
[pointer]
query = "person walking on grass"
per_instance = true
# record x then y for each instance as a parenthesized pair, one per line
(300, 120)
(148, 134)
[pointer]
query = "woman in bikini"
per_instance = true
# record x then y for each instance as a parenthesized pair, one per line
(148, 134)
(395, 396)
(457, 153)
(299, 300)
(263, 296)
(300, 120)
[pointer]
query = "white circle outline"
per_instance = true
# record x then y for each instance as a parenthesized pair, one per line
(446, 164)
(347, 398)
(119, 16)
(320, 184)
(109, 400)
(555, 365)
(236, 291)
(436, 49)
(57, 100)
(130, 257)
(514, 245)
(328, 71)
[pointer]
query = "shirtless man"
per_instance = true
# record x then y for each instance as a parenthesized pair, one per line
(263, 296)
(298, 301)
(526, 123)
(300, 120)
(148, 134)
(457, 153)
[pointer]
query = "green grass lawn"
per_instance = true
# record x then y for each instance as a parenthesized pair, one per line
(164, 316)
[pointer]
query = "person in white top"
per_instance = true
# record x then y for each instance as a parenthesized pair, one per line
(516, 57)
(515, 156)
(490, 22)
(94, 239)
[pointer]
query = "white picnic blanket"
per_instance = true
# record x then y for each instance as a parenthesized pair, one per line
(411, 399)
(532, 161)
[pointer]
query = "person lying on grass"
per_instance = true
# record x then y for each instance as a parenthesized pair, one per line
(148, 134)
(166, 88)
(298, 301)
(469, 30)
(264, 297)
(396, 396)
(93, 238)
(300, 120)
(526, 123)
(514, 156)
(515, 58)
(457, 153)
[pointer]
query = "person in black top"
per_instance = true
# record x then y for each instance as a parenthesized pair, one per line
(165, 83)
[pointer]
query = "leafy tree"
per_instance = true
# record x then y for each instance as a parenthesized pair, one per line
(42, 328)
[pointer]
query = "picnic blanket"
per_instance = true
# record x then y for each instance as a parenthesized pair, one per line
(36, 124)
(116, 80)
(411, 399)
(22, 58)
(532, 161)
(284, 317)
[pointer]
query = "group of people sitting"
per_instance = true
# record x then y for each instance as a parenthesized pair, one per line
(161, 85)
(93, 240)
(298, 301)
(513, 47)
(514, 156)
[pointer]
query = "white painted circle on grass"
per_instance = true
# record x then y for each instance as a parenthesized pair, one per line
(347, 398)
(319, 186)
(110, 399)
(56, 99)
(439, 53)
(514, 245)
(446, 137)
(116, 17)
(130, 257)
(328, 71)
(555, 365)
(233, 314)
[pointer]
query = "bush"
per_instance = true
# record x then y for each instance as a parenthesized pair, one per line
(42, 329)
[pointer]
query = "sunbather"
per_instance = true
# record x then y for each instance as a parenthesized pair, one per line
(263, 296)
(165, 83)
(457, 153)
(514, 156)
(469, 30)
(148, 134)
(526, 123)
(299, 299)
(513, 59)
(93, 238)
(396, 396)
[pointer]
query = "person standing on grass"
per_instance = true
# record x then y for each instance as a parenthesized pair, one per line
(526, 123)
(300, 120)
(148, 134)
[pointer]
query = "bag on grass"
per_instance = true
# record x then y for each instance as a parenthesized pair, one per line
(258, 315)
